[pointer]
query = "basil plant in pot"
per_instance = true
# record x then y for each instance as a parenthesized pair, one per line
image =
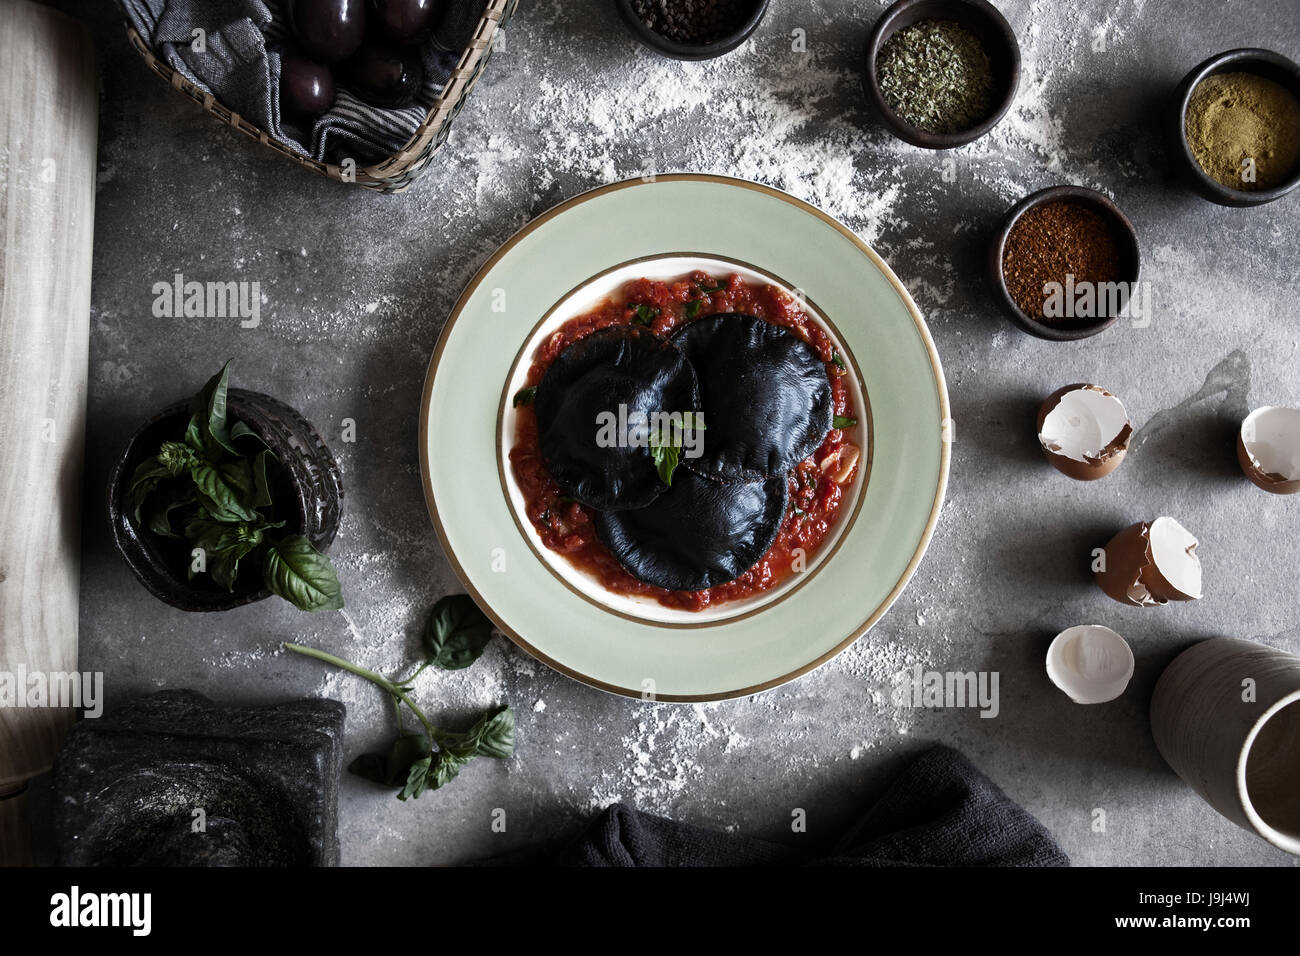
(228, 499)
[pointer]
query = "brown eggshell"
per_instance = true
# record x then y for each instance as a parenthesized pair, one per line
(1090, 469)
(1128, 567)
(1268, 480)
(1132, 575)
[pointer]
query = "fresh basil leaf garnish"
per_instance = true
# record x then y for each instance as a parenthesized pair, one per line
(222, 498)
(302, 575)
(524, 396)
(209, 408)
(666, 458)
(143, 482)
(456, 633)
(393, 768)
(644, 315)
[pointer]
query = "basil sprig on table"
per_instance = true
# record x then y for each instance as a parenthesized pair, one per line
(211, 488)
(455, 636)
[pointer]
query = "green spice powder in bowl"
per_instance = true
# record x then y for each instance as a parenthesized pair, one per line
(941, 73)
(1237, 127)
(1244, 130)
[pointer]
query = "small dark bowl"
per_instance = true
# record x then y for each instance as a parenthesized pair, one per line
(1065, 330)
(308, 474)
(690, 51)
(1266, 63)
(979, 17)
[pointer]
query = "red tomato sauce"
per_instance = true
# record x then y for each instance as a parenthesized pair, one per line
(817, 484)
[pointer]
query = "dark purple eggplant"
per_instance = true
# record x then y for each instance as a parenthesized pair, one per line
(404, 22)
(329, 31)
(385, 75)
(306, 88)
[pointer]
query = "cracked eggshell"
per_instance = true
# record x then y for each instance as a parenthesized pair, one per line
(1148, 564)
(1126, 559)
(1091, 663)
(1175, 566)
(1268, 449)
(1084, 431)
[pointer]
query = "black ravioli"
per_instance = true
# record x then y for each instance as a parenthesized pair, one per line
(622, 365)
(764, 392)
(697, 534)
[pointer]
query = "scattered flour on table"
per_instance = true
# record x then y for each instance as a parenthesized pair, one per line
(781, 129)
(664, 747)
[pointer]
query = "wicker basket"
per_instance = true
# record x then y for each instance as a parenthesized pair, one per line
(402, 168)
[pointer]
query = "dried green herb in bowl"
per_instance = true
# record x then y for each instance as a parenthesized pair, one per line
(936, 75)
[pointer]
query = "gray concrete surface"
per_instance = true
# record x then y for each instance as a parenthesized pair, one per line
(357, 286)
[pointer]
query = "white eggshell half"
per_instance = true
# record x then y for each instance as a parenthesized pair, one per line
(1173, 552)
(1091, 663)
(1271, 436)
(1084, 423)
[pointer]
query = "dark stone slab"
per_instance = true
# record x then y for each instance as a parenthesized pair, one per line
(175, 780)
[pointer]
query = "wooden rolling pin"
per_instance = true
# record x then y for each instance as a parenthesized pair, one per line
(48, 129)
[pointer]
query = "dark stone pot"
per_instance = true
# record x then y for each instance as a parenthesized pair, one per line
(692, 51)
(128, 784)
(309, 489)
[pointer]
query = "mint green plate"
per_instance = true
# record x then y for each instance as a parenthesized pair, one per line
(565, 261)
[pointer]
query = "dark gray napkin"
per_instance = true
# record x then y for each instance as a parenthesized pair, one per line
(940, 811)
(241, 68)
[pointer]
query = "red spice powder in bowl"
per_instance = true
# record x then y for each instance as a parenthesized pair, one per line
(1064, 263)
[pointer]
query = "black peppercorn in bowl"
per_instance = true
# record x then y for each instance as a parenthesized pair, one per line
(1265, 63)
(995, 36)
(692, 29)
(1129, 262)
(307, 479)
